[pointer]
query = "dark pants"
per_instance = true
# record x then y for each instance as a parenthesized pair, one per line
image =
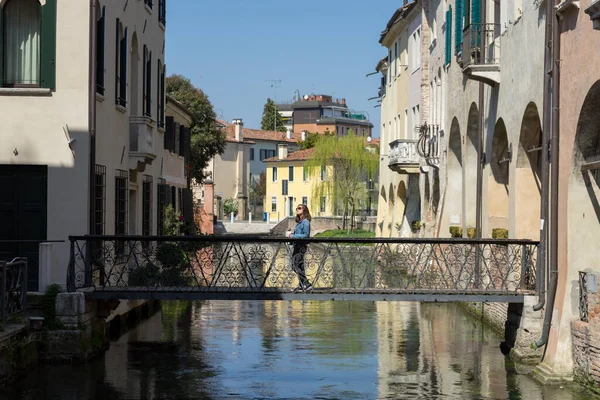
(298, 264)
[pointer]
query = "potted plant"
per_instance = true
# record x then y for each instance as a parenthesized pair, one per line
(456, 231)
(416, 226)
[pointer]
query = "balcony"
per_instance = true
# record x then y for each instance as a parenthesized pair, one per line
(141, 143)
(429, 143)
(481, 53)
(404, 156)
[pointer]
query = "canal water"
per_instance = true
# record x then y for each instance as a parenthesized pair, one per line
(297, 350)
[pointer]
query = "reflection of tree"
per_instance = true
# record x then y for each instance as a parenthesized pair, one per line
(340, 329)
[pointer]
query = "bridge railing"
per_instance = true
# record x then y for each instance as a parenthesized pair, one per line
(245, 264)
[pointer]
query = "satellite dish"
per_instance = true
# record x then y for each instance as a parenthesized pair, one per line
(305, 97)
(369, 139)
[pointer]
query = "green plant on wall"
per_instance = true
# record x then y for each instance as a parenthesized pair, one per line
(500, 233)
(416, 225)
(456, 231)
(471, 233)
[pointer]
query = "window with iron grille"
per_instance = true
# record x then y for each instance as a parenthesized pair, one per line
(147, 206)
(161, 203)
(121, 183)
(100, 200)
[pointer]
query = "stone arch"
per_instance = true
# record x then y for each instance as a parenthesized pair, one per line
(401, 192)
(498, 177)
(135, 74)
(453, 199)
(583, 203)
(527, 175)
(470, 164)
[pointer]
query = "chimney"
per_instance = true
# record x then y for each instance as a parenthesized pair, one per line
(344, 102)
(288, 134)
(239, 129)
(282, 150)
(303, 135)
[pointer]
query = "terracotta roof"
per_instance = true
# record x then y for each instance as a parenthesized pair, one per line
(257, 134)
(300, 155)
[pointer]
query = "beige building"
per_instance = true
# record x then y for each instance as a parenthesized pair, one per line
(85, 129)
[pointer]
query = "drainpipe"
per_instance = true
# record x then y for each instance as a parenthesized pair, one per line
(554, 154)
(545, 155)
(92, 116)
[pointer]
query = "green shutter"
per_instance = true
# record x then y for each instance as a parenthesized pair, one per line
(475, 11)
(458, 25)
(48, 46)
(448, 35)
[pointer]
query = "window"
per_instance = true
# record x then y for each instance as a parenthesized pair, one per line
(162, 12)
(147, 206)
(273, 204)
(121, 65)
(274, 174)
(148, 3)
(284, 187)
(169, 139)
(395, 58)
(100, 38)
(100, 200)
(147, 67)
(458, 26)
(390, 67)
(323, 204)
(251, 154)
(121, 183)
(263, 154)
(160, 95)
(28, 52)
(305, 173)
(174, 198)
(177, 134)
(323, 172)
(271, 153)
(163, 190)
(305, 200)
(291, 174)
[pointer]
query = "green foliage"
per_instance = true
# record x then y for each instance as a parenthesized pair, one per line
(471, 233)
(500, 233)
(456, 231)
(271, 118)
(49, 307)
(341, 233)
(230, 205)
(206, 139)
(350, 164)
(416, 225)
(258, 189)
(173, 222)
(312, 139)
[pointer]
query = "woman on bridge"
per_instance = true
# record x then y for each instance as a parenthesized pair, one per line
(302, 231)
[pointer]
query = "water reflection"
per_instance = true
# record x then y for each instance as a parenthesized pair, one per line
(296, 350)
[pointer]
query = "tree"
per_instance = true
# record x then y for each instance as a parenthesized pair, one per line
(311, 140)
(350, 163)
(207, 140)
(258, 189)
(272, 118)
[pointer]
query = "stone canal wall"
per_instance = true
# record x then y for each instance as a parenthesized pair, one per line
(586, 345)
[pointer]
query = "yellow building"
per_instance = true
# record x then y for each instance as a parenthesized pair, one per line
(289, 183)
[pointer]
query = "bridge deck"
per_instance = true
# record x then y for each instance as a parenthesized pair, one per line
(340, 294)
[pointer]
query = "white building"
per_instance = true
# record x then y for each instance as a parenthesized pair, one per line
(84, 131)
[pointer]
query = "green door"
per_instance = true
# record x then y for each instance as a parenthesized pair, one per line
(23, 215)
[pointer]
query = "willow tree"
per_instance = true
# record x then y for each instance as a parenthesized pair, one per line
(348, 163)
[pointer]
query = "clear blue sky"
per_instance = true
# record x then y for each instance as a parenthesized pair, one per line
(229, 48)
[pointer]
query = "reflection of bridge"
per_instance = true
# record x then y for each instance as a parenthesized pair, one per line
(243, 268)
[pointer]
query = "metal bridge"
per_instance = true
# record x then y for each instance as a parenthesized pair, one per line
(262, 268)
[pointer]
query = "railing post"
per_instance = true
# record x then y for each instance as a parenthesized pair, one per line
(71, 268)
(2, 291)
(478, 252)
(24, 284)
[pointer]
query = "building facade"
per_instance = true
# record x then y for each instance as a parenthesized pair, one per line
(87, 140)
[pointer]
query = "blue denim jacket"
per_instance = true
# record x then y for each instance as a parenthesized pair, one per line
(302, 230)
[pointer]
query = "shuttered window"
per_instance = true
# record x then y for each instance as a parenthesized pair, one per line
(448, 35)
(28, 44)
(162, 12)
(148, 85)
(100, 40)
(169, 134)
(121, 65)
(161, 203)
(458, 33)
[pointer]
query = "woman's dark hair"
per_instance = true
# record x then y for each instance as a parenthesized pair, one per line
(305, 213)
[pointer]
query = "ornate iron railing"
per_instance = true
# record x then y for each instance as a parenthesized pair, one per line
(481, 45)
(583, 297)
(429, 143)
(347, 266)
(13, 287)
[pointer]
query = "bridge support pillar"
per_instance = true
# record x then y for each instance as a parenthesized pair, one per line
(522, 329)
(79, 332)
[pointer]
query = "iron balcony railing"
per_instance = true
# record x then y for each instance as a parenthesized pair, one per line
(13, 287)
(199, 264)
(429, 143)
(404, 152)
(481, 44)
